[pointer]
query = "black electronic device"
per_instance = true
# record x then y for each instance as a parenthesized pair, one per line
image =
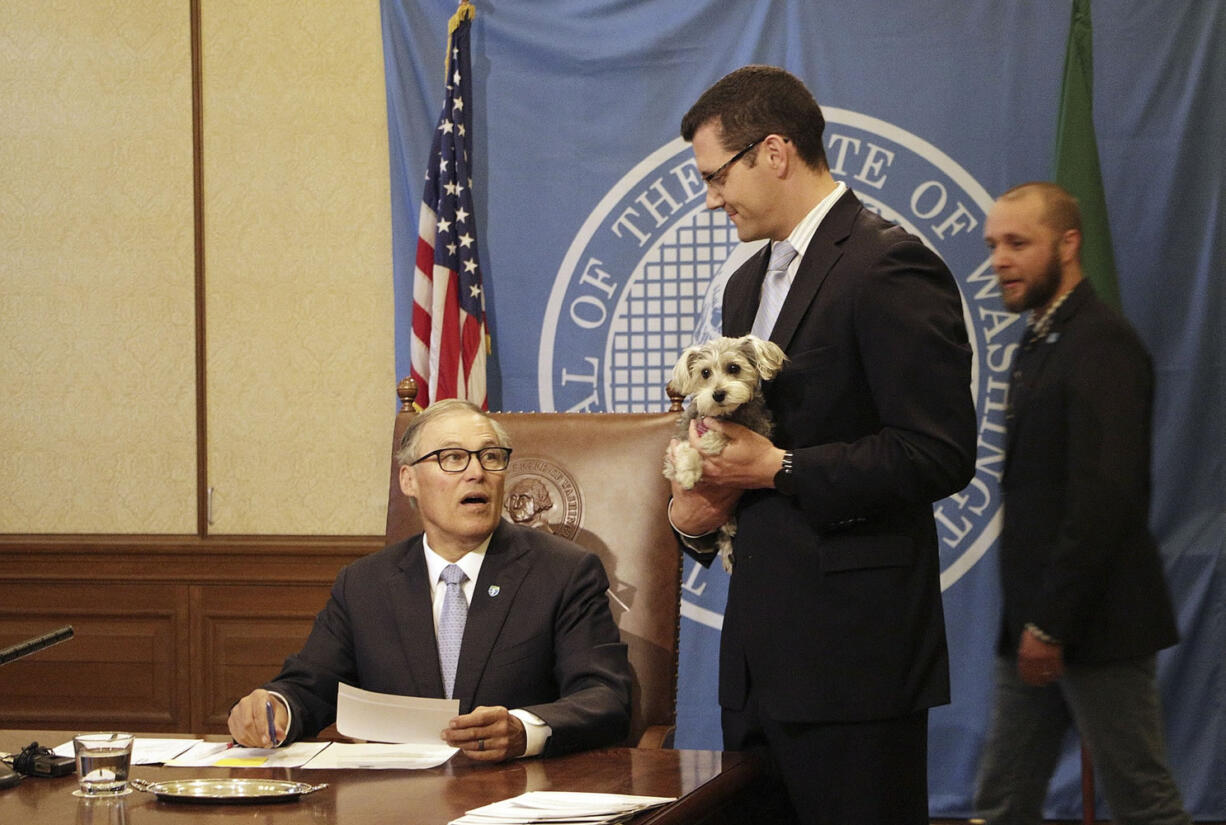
(36, 644)
(35, 760)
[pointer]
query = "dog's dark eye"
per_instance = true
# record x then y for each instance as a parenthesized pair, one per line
(706, 372)
(733, 369)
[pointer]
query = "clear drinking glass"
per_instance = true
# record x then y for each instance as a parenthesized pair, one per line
(103, 762)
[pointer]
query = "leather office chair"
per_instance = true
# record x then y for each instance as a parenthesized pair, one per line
(596, 479)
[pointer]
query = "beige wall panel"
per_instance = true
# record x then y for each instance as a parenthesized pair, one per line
(97, 339)
(299, 313)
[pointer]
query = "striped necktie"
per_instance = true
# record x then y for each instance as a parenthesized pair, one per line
(451, 625)
(774, 289)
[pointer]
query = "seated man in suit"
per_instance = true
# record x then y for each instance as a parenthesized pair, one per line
(538, 635)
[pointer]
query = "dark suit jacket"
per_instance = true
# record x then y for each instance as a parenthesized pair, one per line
(1077, 558)
(539, 636)
(834, 607)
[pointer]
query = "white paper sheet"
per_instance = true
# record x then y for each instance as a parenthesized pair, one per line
(559, 807)
(342, 755)
(225, 755)
(145, 751)
(383, 717)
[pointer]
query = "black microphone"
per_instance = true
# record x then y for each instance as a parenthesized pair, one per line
(36, 644)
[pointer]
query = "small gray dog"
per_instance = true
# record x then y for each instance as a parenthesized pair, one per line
(724, 379)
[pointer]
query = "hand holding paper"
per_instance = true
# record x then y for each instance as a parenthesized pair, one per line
(384, 717)
(488, 734)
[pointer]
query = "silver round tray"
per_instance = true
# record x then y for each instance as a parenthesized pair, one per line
(226, 791)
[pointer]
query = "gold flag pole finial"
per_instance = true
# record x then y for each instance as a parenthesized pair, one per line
(465, 11)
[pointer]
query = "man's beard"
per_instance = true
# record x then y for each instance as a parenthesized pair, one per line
(1040, 293)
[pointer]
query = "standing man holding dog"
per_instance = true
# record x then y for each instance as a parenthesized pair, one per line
(1086, 604)
(833, 646)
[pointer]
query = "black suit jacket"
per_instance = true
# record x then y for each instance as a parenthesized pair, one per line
(834, 606)
(1077, 558)
(539, 636)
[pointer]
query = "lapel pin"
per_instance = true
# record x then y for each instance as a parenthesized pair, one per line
(494, 590)
(1053, 337)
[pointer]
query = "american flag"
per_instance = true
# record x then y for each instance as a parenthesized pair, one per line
(449, 330)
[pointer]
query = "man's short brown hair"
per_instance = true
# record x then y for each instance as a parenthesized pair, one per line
(755, 101)
(1060, 209)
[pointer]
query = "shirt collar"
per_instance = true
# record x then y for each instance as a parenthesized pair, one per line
(470, 562)
(804, 231)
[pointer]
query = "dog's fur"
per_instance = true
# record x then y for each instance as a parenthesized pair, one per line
(724, 379)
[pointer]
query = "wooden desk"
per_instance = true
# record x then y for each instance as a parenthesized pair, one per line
(703, 781)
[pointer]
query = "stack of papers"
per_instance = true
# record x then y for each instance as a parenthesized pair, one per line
(557, 808)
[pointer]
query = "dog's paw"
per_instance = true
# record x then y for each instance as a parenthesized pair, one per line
(686, 466)
(726, 561)
(687, 478)
(723, 544)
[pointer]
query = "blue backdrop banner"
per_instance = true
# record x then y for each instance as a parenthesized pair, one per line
(601, 262)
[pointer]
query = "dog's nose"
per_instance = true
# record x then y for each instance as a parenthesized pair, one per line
(718, 395)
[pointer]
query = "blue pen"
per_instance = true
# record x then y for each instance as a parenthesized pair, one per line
(272, 725)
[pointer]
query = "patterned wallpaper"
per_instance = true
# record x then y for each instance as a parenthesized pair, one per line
(97, 414)
(97, 349)
(301, 391)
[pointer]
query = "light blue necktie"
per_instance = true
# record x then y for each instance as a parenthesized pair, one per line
(451, 625)
(774, 289)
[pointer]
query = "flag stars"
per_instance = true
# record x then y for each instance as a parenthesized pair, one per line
(446, 126)
(471, 266)
(444, 225)
(466, 240)
(461, 215)
(452, 188)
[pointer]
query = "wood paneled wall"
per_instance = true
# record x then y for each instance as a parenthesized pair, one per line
(169, 632)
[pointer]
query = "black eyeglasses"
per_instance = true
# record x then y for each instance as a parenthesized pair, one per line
(716, 178)
(456, 459)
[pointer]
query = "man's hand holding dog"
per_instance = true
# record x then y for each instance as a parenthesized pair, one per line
(702, 508)
(749, 461)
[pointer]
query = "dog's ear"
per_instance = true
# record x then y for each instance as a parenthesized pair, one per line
(767, 355)
(682, 377)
